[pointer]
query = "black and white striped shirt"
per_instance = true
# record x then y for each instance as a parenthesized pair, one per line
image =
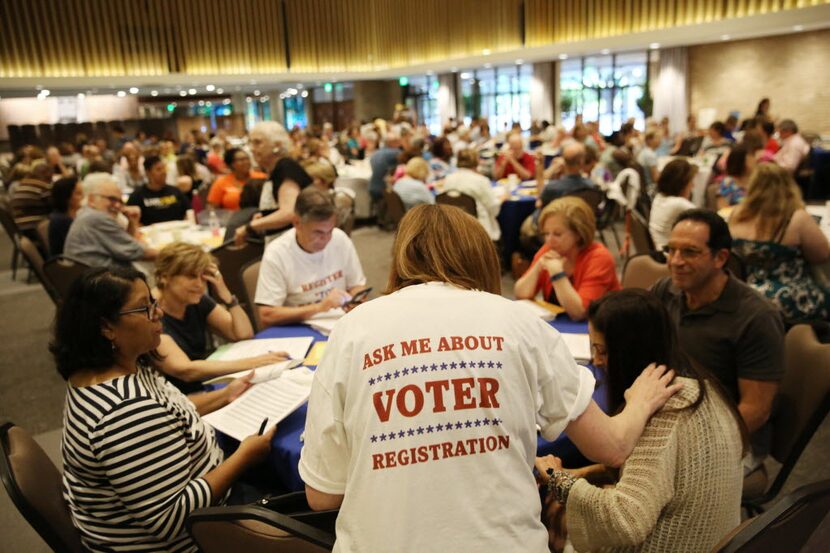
(134, 450)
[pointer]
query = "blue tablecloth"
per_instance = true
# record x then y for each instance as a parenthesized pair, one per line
(287, 443)
(511, 216)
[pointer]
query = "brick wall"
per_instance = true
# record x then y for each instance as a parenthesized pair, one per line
(793, 71)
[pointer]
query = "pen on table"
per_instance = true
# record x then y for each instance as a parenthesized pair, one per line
(262, 426)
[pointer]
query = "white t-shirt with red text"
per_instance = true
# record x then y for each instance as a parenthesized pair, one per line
(293, 277)
(423, 413)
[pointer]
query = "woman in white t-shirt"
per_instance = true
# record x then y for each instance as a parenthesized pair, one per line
(422, 418)
(674, 188)
(468, 180)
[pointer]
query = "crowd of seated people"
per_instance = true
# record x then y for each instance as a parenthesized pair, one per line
(721, 335)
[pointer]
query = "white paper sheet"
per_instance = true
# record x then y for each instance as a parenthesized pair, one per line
(261, 374)
(324, 322)
(579, 345)
(274, 400)
(297, 348)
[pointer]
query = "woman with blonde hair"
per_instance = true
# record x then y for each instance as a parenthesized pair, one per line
(778, 239)
(412, 186)
(425, 405)
(183, 273)
(570, 269)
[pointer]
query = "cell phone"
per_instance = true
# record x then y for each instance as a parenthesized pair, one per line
(359, 297)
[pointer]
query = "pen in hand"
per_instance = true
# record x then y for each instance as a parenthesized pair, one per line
(262, 427)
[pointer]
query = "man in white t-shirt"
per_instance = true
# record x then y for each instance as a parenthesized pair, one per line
(310, 269)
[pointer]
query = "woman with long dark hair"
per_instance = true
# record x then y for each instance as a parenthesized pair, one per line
(680, 489)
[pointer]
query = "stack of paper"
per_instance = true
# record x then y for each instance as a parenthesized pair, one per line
(274, 400)
(324, 322)
(296, 348)
(545, 310)
(261, 374)
(579, 345)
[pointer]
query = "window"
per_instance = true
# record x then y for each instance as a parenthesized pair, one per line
(604, 89)
(257, 109)
(295, 116)
(422, 98)
(501, 94)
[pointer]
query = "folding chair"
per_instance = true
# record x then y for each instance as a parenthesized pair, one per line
(35, 261)
(61, 272)
(249, 274)
(232, 258)
(458, 199)
(642, 271)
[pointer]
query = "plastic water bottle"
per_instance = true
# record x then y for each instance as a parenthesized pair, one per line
(213, 222)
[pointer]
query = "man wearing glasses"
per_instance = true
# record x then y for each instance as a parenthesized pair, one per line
(96, 238)
(723, 324)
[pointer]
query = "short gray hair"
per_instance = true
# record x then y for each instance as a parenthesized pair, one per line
(314, 204)
(273, 131)
(788, 125)
(92, 182)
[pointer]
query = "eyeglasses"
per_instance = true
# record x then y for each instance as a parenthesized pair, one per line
(685, 253)
(151, 310)
(111, 199)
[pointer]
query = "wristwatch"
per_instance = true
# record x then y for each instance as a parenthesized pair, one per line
(557, 276)
(233, 303)
(559, 484)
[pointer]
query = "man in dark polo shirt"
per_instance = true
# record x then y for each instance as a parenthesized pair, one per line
(723, 324)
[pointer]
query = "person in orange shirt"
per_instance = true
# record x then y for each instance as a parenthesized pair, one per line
(570, 268)
(225, 191)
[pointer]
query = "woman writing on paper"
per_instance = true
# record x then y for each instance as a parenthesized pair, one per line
(183, 272)
(137, 457)
(570, 269)
(423, 411)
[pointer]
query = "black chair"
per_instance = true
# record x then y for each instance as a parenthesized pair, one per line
(284, 524)
(803, 402)
(797, 522)
(458, 199)
(61, 272)
(232, 258)
(7, 220)
(34, 486)
(591, 196)
(394, 211)
(35, 261)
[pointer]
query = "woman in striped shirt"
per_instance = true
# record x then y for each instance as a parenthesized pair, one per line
(137, 457)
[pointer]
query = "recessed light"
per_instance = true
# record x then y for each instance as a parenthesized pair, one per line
(226, 101)
(605, 51)
(466, 75)
(210, 88)
(220, 91)
(154, 93)
(304, 94)
(485, 52)
(133, 90)
(256, 92)
(182, 93)
(519, 62)
(45, 92)
(120, 93)
(192, 91)
(654, 46)
(248, 99)
(563, 56)
(201, 102)
(725, 37)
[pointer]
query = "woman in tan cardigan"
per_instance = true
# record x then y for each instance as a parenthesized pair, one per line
(680, 489)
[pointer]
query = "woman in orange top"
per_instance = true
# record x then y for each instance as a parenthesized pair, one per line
(225, 191)
(570, 268)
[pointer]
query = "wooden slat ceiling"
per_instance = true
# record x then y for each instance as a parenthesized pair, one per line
(553, 21)
(97, 38)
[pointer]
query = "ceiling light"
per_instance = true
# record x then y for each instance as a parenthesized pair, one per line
(201, 102)
(192, 91)
(45, 92)
(725, 37)
(210, 88)
(81, 96)
(605, 51)
(120, 93)
(654, 46)
(466, 75)
(256, 92)
(304, 94)
(182, 93)
(248, 99)
(798, 28)
(226, 101)
(220, 91)
(154, 93)
(485, 52)
(133, 90)
(208, 104)
(563, 56)
(519, 61)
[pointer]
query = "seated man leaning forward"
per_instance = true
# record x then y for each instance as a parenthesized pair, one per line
(95, 237)
(311, 268)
